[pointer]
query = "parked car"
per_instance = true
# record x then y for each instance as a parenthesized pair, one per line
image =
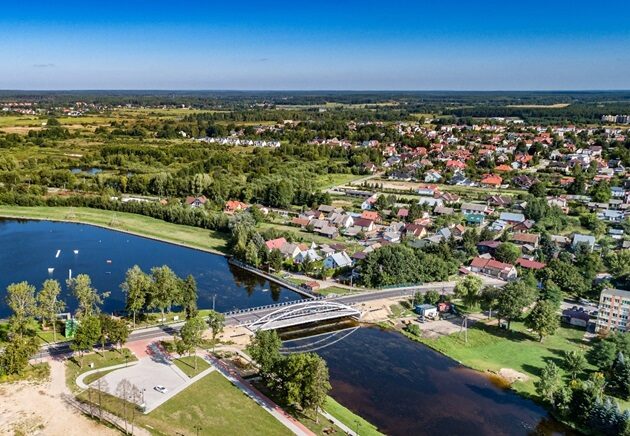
(161, 389)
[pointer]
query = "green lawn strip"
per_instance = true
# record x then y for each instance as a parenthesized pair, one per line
(78, 365)
(490, 349)
(43, 337)
(187, 365)
(335, 290)
(93, 377)
(350, 419)
(212, 403)
(36, 372)
(141, 225)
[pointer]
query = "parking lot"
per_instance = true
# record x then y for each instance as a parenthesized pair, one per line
(150, 371)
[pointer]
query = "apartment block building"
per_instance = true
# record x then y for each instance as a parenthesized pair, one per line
(614, 309)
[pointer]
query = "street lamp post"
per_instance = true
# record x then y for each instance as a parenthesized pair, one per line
(197, 429)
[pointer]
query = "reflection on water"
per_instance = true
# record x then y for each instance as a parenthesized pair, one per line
(405, 388)
(29, 248)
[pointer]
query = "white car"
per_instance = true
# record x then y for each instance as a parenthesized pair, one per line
(161, 389)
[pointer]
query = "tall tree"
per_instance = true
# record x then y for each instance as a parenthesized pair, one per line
(191, 335)
(87, 334)
(512, 299)
(189, 296)
(574, 363)
(549, 383)
(137, 286)
(508, 252)
(166, 288)
(543, 319)
(265, 350)
(21, 301)
(468, 290)
(16, 354)
(216, 322)
(49, 305)
(88, 298)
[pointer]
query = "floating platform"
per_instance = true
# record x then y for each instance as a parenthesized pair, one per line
(51, 270)
(58, 253)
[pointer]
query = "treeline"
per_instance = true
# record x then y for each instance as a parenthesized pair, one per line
(171, 214)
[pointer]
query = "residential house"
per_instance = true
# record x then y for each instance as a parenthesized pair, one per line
(491, 180)
(370, 215)
(415, 231)
(583, 239)
(493, 268)
(524, 239)
(432, 176)
(576, 316)
(488, 247)
(475, 208)
(512, 218)
(612, 216)
(428, 190)
(499, 200)
(338, 260)
(196, 201)
(530, 264)
(443, 210)
(233, 206)
(275, 244)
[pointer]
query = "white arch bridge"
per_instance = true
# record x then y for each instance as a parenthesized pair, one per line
(303, 313)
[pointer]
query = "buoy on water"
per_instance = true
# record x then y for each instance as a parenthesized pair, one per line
(51, 270)
(109, 261)
(58, 253)
(76, 251)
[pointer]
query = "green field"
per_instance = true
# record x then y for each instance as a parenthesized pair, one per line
(189, 236)
(490, 349)
(187, 365)
(78, 365)
(353, 421)
(215, 405)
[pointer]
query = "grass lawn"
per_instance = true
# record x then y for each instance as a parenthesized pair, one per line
(187, 365)
(43, 337)
(350, 419)
(337, 291)
(490, 349)
(78, 365)
(36, 372)
(137, 224)
(217, 406)
(326, 181)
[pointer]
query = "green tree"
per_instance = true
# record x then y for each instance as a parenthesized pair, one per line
(118, 332)
(265, 350)
(49, 305)
(305, 381)
(600, 192)
(166, 289)
(87, 334)
(620, 376)
(514, 297)
(549, 383)
(507, 252)
(538, 189)
(189, 297)
(618, 263)
(88, 298)
(216, 322)
(432, 297)
(551, 292)
(574, 363)
(543, 319)
(191, 335)
(21, 301)
(16, 354)
(275, 260)
(605, 350)
(488, 299)
(137, 287)
(468, 290)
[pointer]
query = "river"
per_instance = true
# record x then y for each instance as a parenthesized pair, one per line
(29, 248)
(406, 388)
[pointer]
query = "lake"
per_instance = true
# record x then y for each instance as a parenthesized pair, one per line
(406, 388)
(29, 248)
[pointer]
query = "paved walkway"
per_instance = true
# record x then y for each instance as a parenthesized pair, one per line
(287, 420)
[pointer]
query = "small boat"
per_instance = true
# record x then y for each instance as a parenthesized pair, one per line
(58, 253)
(76, 251)
(108, 261)
(69, 274)
(265, 290)
(51, 270)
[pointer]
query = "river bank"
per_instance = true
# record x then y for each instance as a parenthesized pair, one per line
(138, 225)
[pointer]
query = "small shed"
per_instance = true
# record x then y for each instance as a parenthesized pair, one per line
(310, 286)
(426, 310)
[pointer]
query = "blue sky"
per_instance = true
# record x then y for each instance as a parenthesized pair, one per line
(345, 44)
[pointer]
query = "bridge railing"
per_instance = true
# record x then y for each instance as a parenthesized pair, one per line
(271, 306)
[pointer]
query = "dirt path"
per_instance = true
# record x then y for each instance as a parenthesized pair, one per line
(38, 408)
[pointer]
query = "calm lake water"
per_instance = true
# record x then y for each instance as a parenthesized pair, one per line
(405, 388)
(29, 248)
